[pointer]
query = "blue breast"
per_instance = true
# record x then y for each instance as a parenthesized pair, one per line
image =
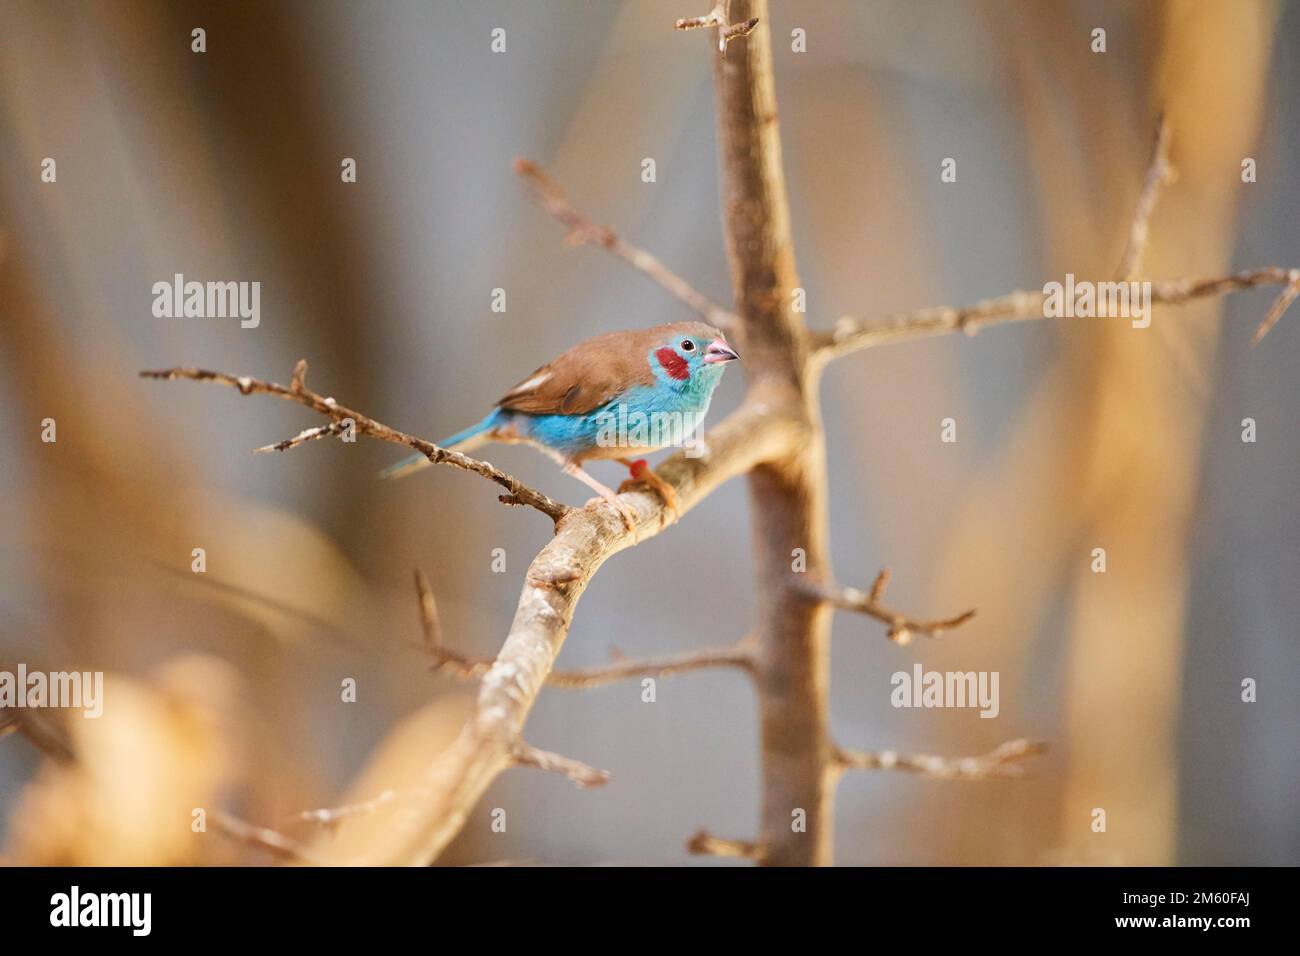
(574, 434)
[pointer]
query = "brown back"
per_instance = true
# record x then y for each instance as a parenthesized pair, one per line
(596, 371)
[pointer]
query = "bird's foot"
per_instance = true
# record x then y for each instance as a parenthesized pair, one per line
(624, 510)
(642, 475)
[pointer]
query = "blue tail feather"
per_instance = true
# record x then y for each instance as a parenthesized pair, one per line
(417, 461)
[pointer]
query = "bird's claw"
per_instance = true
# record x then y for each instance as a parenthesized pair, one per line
(642, 475)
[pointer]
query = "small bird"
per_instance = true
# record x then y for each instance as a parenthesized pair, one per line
(616, 396)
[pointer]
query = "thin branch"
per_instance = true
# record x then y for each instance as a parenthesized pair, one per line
(331, 817)
(445, 660)
(850, 335)
(261, 838)
(1159, 172)
(429, 621)
(526, 755)
(1279, 307)
(464, 667)
(902, 627)
(583, 232)
(720, 17)
(739, 655)
(304, 436)
(519, 493)
(704, 843)
(1004, 761)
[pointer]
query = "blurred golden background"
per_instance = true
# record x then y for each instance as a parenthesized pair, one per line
(223, 688)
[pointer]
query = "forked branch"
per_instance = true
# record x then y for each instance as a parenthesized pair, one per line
(491, 742)
(519, 493)
(720, 17)
(901, 627)
(739, 655)
(526, 755)
(851, 335)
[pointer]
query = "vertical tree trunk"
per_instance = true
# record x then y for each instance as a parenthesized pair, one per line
(788, 498)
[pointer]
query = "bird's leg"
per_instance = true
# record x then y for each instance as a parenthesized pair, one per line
(641, 474)
(625, 512)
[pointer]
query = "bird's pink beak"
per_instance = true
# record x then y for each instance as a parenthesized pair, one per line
(719, 351)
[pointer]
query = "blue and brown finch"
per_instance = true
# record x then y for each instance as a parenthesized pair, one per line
(578, 407)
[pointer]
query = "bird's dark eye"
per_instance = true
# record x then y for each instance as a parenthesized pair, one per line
(688, 345)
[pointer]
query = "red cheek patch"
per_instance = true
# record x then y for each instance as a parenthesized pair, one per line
(673, 364)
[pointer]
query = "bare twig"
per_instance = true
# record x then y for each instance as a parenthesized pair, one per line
(902, 627)
(261, 838)
(331, 817)
(429, 621)
(583, 232)
(1279, 307)
(704, 843)
(720, 17)
(304, 436)
(519, 493)
(526, 755)
(1004, 761)
(1159, 172)
(53, 742)
(850, 335)
(739, 655)
(467, 668)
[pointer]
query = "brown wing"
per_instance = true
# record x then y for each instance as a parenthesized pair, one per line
(590, 374)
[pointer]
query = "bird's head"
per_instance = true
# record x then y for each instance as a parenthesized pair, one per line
(691, 353)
